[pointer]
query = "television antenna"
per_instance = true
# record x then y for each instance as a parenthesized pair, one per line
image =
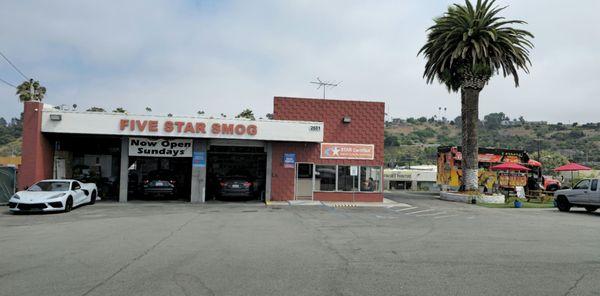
(325, 84)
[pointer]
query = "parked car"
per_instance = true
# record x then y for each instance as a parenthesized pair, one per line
(237, 186)
(584, 194)
(550, 184)
(53, 195)
(160, 183)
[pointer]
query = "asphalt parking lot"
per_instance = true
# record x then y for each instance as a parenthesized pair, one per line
(430, 248)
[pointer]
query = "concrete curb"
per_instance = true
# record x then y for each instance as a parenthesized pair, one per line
(459, 197)
(387, 203)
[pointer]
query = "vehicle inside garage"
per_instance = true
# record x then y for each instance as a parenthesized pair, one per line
(236, 173)
(159, 178)
(89, 159)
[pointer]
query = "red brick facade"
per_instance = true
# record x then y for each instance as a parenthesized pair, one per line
(37, 162)
(366, 127)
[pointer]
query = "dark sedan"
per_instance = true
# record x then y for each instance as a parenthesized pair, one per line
(160, 183)
(237, 186)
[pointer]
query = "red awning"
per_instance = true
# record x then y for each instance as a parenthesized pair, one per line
(509, 166)
(534, 163)
(571, 167)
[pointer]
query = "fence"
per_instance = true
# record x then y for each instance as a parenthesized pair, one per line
(8, 182)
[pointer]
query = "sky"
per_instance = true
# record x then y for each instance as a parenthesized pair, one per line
(180, 57)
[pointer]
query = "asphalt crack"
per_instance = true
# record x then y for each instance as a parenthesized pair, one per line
(574, 285)
(142, 255)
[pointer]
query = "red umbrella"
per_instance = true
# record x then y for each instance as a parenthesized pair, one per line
(534, 163)
(571, 167)
(509, 166)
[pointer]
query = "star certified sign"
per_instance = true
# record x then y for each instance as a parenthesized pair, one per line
(347, 151)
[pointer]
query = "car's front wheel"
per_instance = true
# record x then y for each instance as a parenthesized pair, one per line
(563, 204)
(69, 204)
(93, 197)
(591, 208)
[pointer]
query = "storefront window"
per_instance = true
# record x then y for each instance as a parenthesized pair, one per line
(370, 178)
(346, 180)
(325, 178)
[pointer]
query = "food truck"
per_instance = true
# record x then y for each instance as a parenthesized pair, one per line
(449, 171)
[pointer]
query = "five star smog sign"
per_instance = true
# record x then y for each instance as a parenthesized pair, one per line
(160, 147)
(347, 151)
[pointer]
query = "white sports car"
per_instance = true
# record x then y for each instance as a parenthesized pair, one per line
(53, 195)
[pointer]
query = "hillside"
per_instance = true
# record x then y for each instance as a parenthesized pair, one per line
(414, 141)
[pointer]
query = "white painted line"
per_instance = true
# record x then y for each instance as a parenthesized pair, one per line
(447, 216)
(434, 214)
(422, 211)
(405, 209)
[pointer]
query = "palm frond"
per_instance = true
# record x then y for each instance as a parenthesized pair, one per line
(474, 39)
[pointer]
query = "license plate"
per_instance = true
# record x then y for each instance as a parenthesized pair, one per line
(235, 186)
(160, 184)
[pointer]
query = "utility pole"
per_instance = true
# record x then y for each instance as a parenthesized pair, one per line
(325, 84)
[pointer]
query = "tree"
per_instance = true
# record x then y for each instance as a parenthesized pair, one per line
(200, 112)
(247, 113)
(551, 160)
(148, 109)
(24, 91)
(269, 115)
(119, 110)
(494, 120)
(95, 109)
(223, 115)
(465, 47)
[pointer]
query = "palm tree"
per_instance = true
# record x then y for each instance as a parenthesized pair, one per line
(465, 47)
(24, 91)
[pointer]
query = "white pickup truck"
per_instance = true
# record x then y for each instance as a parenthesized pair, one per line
(586, 193)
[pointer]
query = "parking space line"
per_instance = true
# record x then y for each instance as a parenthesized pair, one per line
(405, 209)
(433, 214)
(422, 211)
(447, 216)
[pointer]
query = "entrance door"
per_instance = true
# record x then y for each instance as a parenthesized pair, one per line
(304, 181)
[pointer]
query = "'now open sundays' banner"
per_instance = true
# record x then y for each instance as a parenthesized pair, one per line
(160, 147)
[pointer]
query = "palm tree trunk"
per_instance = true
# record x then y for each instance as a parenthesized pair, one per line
(470, 149)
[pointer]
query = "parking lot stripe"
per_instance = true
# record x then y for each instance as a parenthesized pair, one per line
(422, 211)
(433, 214)
(406, 209)
(447, 216)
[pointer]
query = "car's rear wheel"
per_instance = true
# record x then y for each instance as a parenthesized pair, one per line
(563, 204)
(591, 208)
(69, 204)
(93, 197)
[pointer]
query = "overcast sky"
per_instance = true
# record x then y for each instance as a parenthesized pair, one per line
(223, 56)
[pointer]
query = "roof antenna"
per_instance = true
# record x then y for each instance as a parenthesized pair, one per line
(325, 84)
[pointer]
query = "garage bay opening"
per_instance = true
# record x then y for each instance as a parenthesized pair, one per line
(235, 173)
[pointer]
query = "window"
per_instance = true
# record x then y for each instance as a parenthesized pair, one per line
(594, 185)
(347, 182)
(325, 178)
(583, 184)
(370, 178)
(75, 186)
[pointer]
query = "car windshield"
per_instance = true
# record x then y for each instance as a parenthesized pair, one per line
(583, 184)
(50, 186)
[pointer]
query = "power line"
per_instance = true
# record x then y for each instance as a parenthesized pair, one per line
(13, 65)
(7, 83)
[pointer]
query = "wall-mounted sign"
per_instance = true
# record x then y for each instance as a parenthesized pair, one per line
(105, 123)
(347, 151)
(354, 170)
(289, 160)
(160, 147)
(199, 159)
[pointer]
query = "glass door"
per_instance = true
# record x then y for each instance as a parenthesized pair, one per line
(304, 181)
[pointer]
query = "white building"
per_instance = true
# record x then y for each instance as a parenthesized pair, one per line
(421, 177)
